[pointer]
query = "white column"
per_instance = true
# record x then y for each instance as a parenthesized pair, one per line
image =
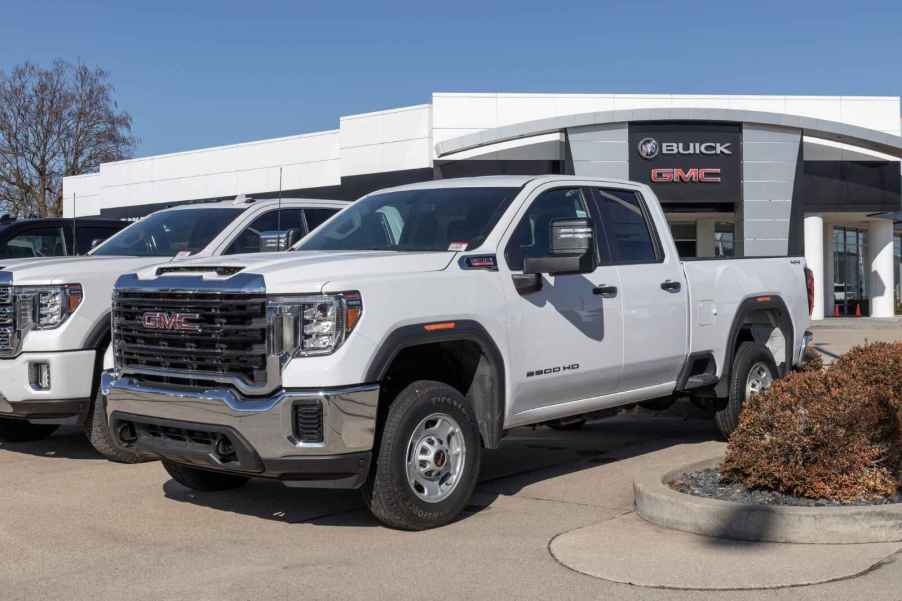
(704, 238)
(829, 276)
(880, 249)
(814, 258)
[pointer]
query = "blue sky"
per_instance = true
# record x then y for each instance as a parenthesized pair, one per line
(197, 73)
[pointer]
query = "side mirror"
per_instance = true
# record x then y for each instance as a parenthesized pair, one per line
(278, 240)
(96, 242)
(571, 248)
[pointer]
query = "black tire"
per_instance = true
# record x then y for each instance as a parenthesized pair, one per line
(568, 425)
(747, 355)
(19, 430)
(203, 480)
(388, 494)
(97, 428)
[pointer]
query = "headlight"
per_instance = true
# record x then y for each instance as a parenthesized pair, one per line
(47, 307)
(303, 326)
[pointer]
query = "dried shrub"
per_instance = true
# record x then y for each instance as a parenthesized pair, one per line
(812, 361)
(827, 434)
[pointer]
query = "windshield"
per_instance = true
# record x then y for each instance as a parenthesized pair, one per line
(438, 219)
(168, 233)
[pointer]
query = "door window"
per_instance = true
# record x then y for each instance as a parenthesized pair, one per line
(627, 226)
(532, 238)
(316, 217)
(36, 242)
(249, 240)
(88, 235)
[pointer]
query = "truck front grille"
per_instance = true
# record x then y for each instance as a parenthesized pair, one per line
(192, 338)
(8, 338)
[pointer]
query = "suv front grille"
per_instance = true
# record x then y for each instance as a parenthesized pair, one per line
(192, 337)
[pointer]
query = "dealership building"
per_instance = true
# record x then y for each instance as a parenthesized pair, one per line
(817, 176)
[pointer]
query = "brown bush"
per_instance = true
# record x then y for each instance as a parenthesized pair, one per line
(833, 434)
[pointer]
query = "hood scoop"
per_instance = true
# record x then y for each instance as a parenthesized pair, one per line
(220, 270)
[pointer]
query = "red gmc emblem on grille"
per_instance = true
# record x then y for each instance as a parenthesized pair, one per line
(180, 322)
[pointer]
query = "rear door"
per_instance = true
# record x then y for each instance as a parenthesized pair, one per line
(653, 290)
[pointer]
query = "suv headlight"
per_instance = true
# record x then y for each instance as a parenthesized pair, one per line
(308, 325)
(47, 307)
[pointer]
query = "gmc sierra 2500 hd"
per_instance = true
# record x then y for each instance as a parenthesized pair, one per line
(418, 325)
(55, 313)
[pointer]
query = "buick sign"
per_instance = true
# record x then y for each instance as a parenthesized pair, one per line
(649, 148)
(687, 162)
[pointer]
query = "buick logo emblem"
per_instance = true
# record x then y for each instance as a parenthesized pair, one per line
(178, 322)
(648, 148)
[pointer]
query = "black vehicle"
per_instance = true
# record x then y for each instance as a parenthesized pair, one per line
(54, 237)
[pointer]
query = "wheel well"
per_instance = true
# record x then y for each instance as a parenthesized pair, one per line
(769, 325)
(461, 364)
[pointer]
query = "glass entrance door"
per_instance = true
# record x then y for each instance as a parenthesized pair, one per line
(850, 281)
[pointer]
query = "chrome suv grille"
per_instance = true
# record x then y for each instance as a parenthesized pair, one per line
(7, 321)
(192, 338)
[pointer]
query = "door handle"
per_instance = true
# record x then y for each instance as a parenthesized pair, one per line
(605, 291)
(671, 286)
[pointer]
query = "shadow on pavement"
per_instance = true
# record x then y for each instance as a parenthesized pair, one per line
(67, 443)
(527, 456)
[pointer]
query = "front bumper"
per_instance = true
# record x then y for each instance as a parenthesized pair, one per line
(260, 435)
(71, 383)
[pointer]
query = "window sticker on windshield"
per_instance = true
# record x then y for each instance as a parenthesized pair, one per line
(183, 253)
(457, 246)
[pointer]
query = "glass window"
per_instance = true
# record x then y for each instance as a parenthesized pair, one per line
(168, 233)
(724, 239)
(316, 217)
(421, 220)
(626, 226)
(35, 242)
(532, 238)
(90, 236)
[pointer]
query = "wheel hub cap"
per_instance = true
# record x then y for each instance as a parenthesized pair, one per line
(436, 454)
(759, 379)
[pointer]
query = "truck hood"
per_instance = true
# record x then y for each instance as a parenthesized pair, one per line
(284, 272)
(74, 270)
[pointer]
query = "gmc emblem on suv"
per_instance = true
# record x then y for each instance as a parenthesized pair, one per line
(179, 322)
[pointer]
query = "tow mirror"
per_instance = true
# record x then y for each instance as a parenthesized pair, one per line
(278, 240)
(571, 249)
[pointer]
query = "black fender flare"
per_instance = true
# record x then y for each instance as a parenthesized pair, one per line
(489, 408)
(99, 332)
(770, 302)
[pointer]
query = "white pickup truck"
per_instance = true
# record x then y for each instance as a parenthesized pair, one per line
(55, 313)
(417, 326)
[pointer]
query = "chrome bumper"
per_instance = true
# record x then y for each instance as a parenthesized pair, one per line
(263, 427)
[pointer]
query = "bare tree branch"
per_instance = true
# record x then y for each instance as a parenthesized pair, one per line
(55, 122)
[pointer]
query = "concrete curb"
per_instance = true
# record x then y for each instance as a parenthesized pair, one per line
(659, 504)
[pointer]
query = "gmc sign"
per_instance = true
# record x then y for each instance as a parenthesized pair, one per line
(687, 162)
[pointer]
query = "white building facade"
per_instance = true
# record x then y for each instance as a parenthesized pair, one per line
(738, 175)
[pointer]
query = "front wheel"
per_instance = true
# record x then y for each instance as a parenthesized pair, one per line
(19, 430)
(428, 461)
(203, 480)
(753, 371)
(97, 429)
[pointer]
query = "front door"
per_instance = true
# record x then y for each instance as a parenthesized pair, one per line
(565, 339)
(653, 291)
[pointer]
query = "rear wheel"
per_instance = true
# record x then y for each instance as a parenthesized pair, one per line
(203, 480)
(753, 371)
(429, 458)
(19, 430)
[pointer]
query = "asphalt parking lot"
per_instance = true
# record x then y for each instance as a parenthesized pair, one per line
(77, 527)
